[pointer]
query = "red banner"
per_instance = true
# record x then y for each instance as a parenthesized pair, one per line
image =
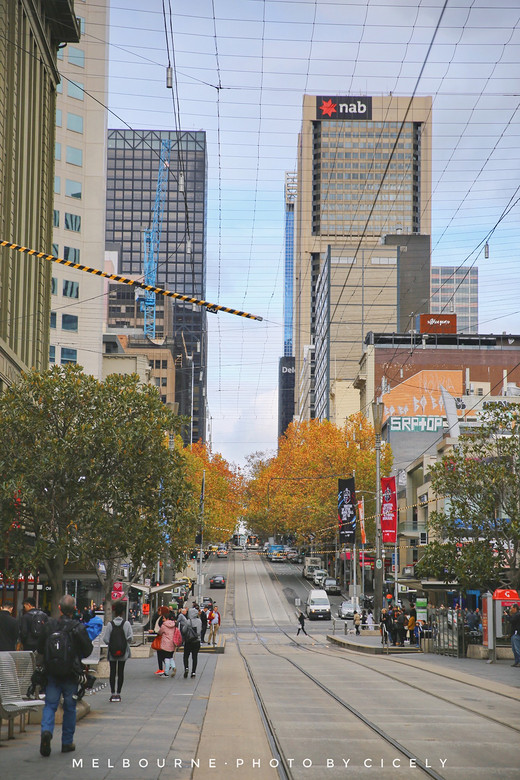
(361, 508)
(388, 510)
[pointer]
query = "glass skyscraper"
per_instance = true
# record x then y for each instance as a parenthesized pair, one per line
(132, 171)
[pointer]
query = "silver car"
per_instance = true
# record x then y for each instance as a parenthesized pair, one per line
(331, 585)
(346, 610)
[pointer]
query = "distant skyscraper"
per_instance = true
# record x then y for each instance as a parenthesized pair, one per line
(362, 238)
(455, 291)
(132, 170)
(79, 204)
(286, 367)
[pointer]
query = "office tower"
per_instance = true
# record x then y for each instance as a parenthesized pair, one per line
(28, 81)
(79, 201)
(286, 364)
(362, 238)
(455, 291)
(132, 173)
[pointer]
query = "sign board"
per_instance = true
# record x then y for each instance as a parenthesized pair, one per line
(421, 607)
(343, 107)
(416, 424)
(437, 323)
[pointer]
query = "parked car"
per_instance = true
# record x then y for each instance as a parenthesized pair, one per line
(319, 575)
(222, 552)
(217, 581)
(331, 585)
(346, 610)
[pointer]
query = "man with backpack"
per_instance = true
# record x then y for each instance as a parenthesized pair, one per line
(118, 635)
(62, 643)
(32, 623)
(190, 627)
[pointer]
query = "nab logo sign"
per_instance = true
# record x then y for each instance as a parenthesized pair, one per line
(344, 107)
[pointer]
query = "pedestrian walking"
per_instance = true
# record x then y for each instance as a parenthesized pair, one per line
(412, 620)
(63, 643)
(204, 620)
(163, 614)
(8, 629)
(370, 620)
(190, 627)
(170, 641)
(301, 621)
(514, 621)
(31, 625)
(118, 635)
(214, 625)
(357, 621)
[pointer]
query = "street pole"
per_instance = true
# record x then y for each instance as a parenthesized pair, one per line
(377, 412)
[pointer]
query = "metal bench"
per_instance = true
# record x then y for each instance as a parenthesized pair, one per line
(12, 701)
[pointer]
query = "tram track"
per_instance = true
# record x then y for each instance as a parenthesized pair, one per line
(284, 769)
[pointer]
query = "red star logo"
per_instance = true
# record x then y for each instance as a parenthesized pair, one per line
(327, 107)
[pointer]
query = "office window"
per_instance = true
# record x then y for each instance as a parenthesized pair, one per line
(56, 218)
(76, 57)
(73, 189)
(75, 90)
(54, 286)
(59, 88)
(75, 123)
(53, 319)
(71, 253)
(55, 249)
(57, 185)
(70, 289)
(57, 151)
(69, 322)
(58, 117)
(52, 354)
(74, 156)
(68, 355)
(72, 222)
(81, 23)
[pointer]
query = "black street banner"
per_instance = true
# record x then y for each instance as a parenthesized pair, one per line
(347, 510)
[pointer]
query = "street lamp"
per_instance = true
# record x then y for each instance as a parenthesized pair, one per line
(377, 414)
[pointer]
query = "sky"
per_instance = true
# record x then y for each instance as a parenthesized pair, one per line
(241, 69)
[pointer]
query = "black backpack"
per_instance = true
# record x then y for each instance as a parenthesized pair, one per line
(190, 634)
(38, 622)
(60, 655)
(117, 644)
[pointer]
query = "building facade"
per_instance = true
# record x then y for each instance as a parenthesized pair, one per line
(362, 226)
(132, 175)
(79, 193)
(455, 291)
(31, 34)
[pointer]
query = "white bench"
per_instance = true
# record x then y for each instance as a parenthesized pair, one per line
(12, 701)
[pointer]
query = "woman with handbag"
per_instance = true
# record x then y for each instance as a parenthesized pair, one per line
(156, 644)
(169, 636)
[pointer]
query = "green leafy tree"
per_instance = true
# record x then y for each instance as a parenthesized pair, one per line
(96, 482)
(476, 539)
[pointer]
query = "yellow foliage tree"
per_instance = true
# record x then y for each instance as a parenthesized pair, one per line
(294, 495)
(222, 495)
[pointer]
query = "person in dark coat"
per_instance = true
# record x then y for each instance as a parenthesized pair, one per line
(301, 621)
(66, 686)
(27, 637)
(203, 614)
(8, 630)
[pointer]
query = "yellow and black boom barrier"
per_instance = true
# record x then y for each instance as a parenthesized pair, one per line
(211, 307)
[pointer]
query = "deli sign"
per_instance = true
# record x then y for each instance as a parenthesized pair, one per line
(437, 323)
(343, 107)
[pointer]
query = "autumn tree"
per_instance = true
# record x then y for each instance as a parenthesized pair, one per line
(295, 493)
(476, 539)
(222, 491)
(95, 481)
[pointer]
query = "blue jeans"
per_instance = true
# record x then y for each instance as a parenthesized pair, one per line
(515, 644)
(56, 688)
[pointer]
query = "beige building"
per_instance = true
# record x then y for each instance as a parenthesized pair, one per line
(32, 31)
(78, 302)
(362, 246)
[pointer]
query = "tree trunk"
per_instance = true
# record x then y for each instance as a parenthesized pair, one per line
(54, 569)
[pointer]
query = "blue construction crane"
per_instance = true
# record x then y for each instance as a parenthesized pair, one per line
(152, 240)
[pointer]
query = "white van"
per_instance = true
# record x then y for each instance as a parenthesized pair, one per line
(318, 605)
